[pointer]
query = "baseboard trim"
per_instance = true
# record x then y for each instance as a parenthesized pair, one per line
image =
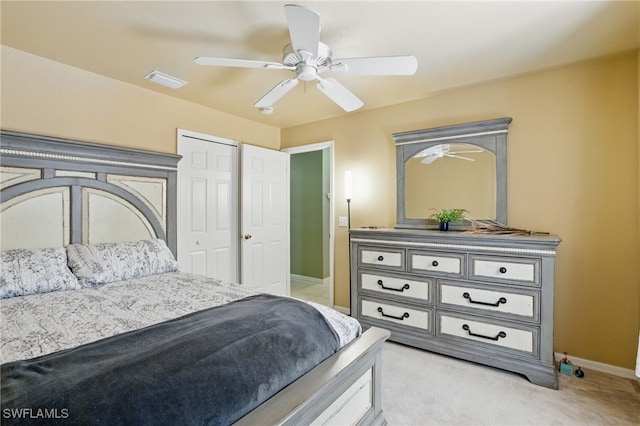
(599, 366)
(310, 280)
(346, 311)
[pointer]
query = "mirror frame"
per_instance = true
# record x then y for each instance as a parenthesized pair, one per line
(489, 134)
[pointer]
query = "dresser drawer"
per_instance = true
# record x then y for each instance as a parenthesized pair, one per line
(396, 314)
(396, 286)
(521, 305)
(504, 269)
(382, 257)
(436, 263)
(507, 336)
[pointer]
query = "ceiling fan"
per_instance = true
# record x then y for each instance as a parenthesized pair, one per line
(308, 58)
(431, 154)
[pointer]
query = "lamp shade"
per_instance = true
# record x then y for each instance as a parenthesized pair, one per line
(348, 185)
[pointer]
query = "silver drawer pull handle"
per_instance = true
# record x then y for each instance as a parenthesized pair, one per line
(465, 327)
(468, 297)
(502, 270)
(403, 288)
(405, 315)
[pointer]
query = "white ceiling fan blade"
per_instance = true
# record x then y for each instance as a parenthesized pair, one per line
(304, 30)
(457, 156)
(383, 65)
(276, 93)
(241, 63)
(339, 94)
(475, 151)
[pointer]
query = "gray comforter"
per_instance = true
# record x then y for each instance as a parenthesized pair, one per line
(209, 367)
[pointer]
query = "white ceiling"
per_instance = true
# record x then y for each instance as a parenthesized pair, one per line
(456, 43)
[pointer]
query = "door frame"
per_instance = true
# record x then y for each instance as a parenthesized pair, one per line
(319, 146)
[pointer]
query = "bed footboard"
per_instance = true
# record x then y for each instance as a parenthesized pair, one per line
(343, 389)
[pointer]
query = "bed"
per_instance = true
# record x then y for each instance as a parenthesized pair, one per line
(85, 305)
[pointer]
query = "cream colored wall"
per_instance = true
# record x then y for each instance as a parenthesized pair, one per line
(44, 97)
(572, 171)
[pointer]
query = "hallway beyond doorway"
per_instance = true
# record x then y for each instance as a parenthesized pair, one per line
(310, 289)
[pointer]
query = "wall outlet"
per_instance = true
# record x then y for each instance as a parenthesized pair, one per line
(342, 221)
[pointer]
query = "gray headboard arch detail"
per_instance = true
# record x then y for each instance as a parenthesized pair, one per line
(80, 165)
(76, 185)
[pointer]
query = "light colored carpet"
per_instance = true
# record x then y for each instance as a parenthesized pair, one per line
(423, 388)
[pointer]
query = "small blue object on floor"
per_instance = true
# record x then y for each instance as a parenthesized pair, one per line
(566, 368)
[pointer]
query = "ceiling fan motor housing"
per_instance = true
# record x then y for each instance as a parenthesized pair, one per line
(306, 67)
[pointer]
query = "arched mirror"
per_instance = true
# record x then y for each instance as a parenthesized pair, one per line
(461, 166)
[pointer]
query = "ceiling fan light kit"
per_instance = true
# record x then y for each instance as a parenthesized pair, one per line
(165, 79)
(308, 58)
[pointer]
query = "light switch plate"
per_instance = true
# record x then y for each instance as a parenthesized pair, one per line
(342, 221)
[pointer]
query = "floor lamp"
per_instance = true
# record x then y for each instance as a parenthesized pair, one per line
(348, 192)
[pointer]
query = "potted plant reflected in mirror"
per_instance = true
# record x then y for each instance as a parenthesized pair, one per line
(443, 217)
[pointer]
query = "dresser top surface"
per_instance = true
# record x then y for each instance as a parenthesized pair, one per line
(456, 237)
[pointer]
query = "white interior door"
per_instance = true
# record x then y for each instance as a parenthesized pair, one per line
(265, 219)
(208, 205)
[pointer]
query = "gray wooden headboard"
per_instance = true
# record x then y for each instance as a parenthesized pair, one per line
(55, 192)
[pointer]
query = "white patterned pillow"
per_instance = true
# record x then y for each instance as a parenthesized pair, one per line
(33, 271)
(95, 264)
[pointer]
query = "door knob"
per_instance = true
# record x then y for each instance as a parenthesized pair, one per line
(247, 236)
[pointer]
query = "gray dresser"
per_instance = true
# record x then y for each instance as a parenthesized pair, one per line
(479, 297)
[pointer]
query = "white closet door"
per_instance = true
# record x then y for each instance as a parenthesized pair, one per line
(208, 206)
(265, 219)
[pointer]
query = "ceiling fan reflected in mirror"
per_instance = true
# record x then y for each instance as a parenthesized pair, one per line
(431, 154)
(308, 58)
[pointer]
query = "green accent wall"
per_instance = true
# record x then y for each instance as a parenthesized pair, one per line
(307, 218)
